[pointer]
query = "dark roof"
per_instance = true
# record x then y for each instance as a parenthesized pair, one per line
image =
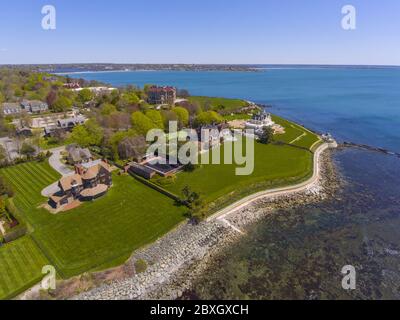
(139, 169)
(161, 89)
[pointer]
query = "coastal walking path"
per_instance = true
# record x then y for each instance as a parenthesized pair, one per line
(224, 213)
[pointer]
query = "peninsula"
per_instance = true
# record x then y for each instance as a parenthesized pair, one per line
(73, 157)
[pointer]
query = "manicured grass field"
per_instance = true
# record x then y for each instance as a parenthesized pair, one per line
(95, 234)
(229, 104)
(295, 134)
(28, 180)
(128, 217)
(274, 165)
(21, 264)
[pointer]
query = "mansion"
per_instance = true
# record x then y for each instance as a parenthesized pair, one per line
(90, 181)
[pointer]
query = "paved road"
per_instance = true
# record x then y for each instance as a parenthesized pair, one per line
(55, 162)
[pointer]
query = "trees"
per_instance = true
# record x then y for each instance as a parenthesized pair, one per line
(155, 116)
(27, 150)
(51, 98)
(132, 147)
(25, 119)
(141, 123)
(183, 93)
(62, 104)
(194, 203)
(193, 108)
(107, 109)
(183, 116)
(267, 135)
(3, 154)
(208, 117)
(85, 95)
(88, 134)
(130, 98)
(168, 116)
(2, 206)
(190, 197)
(117, 120)
(5, 187)
(80, 136)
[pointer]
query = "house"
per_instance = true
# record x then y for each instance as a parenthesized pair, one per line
(38, 106)
(90, 181)
(141, 170)
(260, 121)
(71, 85)
(23, 132)
(34, 106)
(161, 95)
(11, 108)
(77, 155)
(69, 123)
(63, 124)
(96, 90)
(26, 105)
(212, 135)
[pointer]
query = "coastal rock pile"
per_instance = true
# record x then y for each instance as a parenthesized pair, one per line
(179, 249)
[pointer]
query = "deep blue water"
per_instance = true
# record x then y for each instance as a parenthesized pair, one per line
(358, 105)
(298, 253)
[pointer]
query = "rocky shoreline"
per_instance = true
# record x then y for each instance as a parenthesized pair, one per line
(178, 258)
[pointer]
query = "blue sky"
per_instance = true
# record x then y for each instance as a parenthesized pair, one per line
(200, 31)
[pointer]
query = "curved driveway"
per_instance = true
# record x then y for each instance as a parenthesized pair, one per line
(56, 164)
(61, 168)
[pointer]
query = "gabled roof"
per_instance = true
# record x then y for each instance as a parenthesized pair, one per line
(78, 154)
(91, 171)
(68, 182)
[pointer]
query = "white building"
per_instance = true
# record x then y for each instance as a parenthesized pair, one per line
(259, 122)
(96, 90)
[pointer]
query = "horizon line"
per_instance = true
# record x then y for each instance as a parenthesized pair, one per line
(200, 64)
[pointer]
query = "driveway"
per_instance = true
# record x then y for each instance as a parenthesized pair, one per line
(50, 190)
(61, 168)
(56, 164)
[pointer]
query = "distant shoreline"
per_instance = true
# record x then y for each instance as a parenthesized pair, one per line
(86, 68)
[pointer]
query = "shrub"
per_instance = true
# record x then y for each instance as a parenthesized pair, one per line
(140, 266)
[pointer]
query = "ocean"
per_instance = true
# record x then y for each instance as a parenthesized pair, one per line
(299, 253)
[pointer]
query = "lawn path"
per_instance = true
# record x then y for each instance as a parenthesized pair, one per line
(224, 213)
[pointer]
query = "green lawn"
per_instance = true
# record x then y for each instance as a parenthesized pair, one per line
(237, 116)
(21, 264)
(274, 165)
(100, 233)
(295, 134)
(229, 104)
(105, 232)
